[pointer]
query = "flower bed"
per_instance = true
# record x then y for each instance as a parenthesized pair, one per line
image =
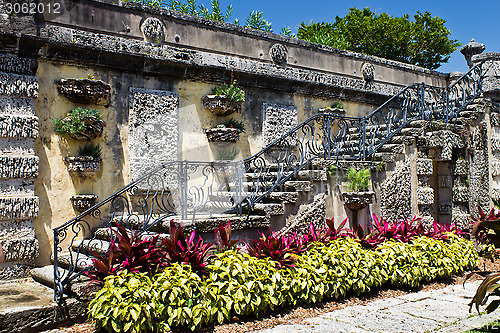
(236, 283)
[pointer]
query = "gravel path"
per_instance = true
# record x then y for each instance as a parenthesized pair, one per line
(440, 310)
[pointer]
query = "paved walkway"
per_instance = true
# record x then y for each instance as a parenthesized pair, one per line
(441, 310)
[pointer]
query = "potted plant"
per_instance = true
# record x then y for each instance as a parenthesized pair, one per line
(225, 99)
(81, 124)
(228, 131)
(82, 202)
(87, 163)
(358, 196)
(85, 90)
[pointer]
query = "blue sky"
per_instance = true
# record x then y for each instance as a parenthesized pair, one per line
(465, 19)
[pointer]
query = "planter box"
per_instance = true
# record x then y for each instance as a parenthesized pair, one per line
(220, 105)
(83, 166)
(357, 200)
(223, 134)
(85, 91)
(83, 202)
(93, 129)
(335, 112)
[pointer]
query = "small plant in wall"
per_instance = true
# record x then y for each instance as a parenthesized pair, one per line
(358, 184)
(81, 124)
(225, 99)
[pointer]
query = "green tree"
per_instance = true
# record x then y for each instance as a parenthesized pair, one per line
(423, 41)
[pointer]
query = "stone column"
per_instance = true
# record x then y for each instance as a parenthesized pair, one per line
(18, 166)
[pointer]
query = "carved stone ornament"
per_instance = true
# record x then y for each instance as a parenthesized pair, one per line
(368, 71)
(357, 200)
(472, 49)
(279, 53)
(153, 30)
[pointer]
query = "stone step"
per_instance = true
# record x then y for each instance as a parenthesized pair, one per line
(18, 126)
(396, 148)
(270, 209)
(273, 197)
(288, 186)
(68, 260)
(16, 85)
(385, 157)
(105, 233)
(18, 166)
(312, 175)
(87, 246)
(202, 223)
(79, 287)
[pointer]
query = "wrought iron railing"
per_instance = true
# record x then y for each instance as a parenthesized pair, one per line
(189, 189)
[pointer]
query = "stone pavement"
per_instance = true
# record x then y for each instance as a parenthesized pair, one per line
(440, 310)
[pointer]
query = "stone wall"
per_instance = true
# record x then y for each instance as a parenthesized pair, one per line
(18, 166)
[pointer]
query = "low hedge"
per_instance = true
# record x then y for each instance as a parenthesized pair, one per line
(238, 284)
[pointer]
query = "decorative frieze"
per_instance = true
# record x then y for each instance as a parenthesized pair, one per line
(278, 120)
(18, 85)
(17, 105)
(153, 129)
(116, 44)
(18, 126)
(18, 207)
(18, 249)
(18, 166)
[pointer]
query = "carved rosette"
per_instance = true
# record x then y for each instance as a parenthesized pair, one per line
(153, 30)
(83, 202)
(368, 71)
(220, 105)
(223, 134)
(357, 200)
(279, 53)
(83, 166)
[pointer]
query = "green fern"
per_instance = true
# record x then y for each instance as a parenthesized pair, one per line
(232, 92)
(359, 180)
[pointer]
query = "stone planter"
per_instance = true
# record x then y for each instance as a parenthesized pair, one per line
(220, 105)
(85, 91)
(83, 166)
(335, 111)
(357, 200)
(93, 129)
(223, 134)
(83, 202)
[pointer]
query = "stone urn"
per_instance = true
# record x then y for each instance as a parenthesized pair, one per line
(86, 91)
(357, 200)
(223, 134)
(83, 166)
(93, 129)
(220, 105)
(82, 202)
